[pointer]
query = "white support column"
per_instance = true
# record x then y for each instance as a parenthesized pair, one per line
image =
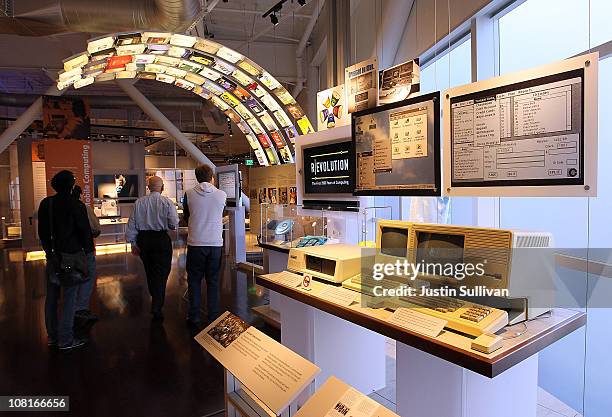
(154, 113)
(27, 117)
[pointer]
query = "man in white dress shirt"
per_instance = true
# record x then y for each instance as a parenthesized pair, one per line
(147, 231)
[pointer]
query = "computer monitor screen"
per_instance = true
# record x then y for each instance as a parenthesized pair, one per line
(440, 248)
(329, 169)
(116, 186)
(227, 183)
(397, 148)
(394, 241)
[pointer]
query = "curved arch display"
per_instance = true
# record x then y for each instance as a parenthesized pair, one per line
(253, 99)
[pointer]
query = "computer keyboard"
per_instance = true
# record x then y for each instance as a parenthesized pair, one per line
(461, 316)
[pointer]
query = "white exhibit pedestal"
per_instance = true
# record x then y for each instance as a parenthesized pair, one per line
(340, 348)
(274, 261)
(428, 386)
(237, 234)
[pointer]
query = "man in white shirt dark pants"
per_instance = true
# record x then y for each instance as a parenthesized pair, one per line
(147, 231)
(203, 208)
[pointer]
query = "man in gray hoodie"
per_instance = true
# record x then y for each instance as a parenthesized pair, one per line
(203, 207)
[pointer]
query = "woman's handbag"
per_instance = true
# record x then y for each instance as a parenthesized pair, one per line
(69, 269)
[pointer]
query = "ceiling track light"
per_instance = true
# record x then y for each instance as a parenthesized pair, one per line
(272, 12)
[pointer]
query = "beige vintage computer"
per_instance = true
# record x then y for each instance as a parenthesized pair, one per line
(503, 254)
(335, 263)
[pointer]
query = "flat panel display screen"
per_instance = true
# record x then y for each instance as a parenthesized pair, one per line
(528, 133)
(227, 182)
(397, 148)
(116, 186)
(329, 169)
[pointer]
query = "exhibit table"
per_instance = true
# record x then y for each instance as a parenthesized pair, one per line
(335, 345)
(113, 228)
(503, 382)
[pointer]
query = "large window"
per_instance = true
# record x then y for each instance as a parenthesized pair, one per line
(449, 69)
(534, 33)
(542, 31)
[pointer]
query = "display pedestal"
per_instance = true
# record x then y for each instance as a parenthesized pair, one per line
(460, 392)
(237, 234)
(240, 402)
(274, 261)
(340, 348)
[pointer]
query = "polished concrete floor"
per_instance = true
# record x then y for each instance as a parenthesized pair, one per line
(131, 367)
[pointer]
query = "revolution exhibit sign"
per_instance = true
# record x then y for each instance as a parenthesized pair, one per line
(329, 169)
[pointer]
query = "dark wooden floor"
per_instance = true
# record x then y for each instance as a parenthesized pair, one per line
(132, 367)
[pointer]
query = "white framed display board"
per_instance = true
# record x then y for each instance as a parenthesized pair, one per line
(335, 398)
(528, 134)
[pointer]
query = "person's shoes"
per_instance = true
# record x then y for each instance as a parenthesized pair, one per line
(76, 343)
(52, 343)
(85, 315)
(157, 316)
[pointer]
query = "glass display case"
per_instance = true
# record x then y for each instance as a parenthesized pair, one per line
(107, 208)
(286, 226)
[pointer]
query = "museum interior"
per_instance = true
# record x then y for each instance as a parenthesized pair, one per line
(309, 208)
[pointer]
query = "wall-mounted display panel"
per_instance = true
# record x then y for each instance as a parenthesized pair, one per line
(361, 84)
(531, 133)
(329, 169)
(121, 185)
(397, 148)
(331, 108)
(399, 82)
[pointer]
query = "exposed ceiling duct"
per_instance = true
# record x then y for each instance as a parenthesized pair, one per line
(46, 17)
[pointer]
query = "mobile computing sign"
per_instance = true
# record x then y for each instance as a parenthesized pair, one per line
(531, 133)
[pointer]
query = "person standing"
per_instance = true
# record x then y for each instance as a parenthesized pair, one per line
(203, 207)
(147, 230)
(63, 227)
(83, 313)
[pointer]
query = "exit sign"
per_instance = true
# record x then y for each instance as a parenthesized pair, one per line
(248, 162)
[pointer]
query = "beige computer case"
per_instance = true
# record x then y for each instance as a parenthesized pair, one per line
(347, 259)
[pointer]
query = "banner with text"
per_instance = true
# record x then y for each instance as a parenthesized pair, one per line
(71, 155)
